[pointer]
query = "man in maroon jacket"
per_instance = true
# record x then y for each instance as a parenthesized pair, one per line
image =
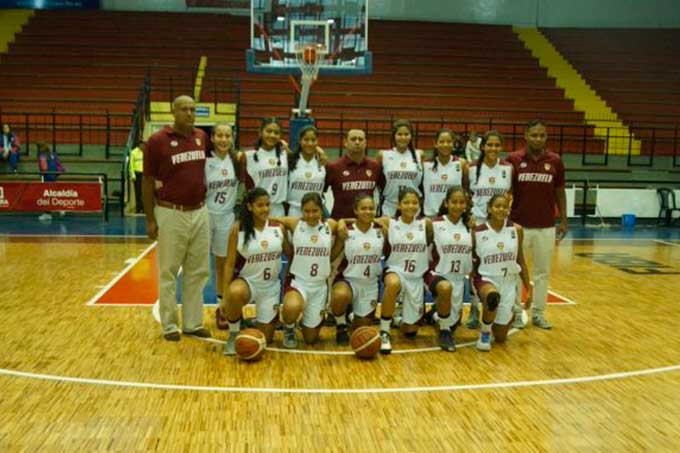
(352, 174)
(174, 203)
(537, 187)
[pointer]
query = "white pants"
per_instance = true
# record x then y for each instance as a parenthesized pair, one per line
(538, 248)
(183, 240)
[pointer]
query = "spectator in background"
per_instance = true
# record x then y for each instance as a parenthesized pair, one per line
(458, 146)
(136, 172)
(472, 147)
(49, 166)
(9, 147)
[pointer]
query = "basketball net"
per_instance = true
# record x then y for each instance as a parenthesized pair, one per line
(308, 59)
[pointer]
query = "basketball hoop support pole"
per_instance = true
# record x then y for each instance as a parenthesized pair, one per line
(304, 96)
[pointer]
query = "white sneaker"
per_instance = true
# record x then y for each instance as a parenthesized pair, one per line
(518, 323)
(541, 322)
(385, 343)
(484, 342)
(289, 339)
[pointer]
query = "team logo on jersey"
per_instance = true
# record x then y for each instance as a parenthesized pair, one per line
(272, 161)
(500, 246)
(445, 177)
(523, 165)
(264, 244)
(367, 246)
(547, 167)
(492, 180)
(369, 173)
(308, 175)
(174, 143)
(198, 141)
(456, 237)
(314, 238)
(409, 236)
(345, 173)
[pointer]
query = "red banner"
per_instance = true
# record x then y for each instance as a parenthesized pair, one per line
(50, 196)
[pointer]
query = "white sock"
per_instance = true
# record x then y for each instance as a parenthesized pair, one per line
(385, 324)
(235, 327)
(486, 328)
(445, 323)
(341, 320)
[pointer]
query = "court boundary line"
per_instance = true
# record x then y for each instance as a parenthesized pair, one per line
(440, 388)
(120, 275)
(115, 236)
(661, 241)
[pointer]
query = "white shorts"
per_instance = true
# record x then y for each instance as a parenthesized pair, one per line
(315, 297)
(364, 296)
(277, 210)
(220, 229)
(507, 288)
(412, 298)
(267, 297)
(294, 211)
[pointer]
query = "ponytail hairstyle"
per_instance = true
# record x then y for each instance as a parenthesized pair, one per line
(407, 124)
(443, 209)
(314, 198)
(482, 145)
(295, 156)
(402, 194)
(232, 152)
(441, 131)
(494, 198)
(247, 220)
(266, 121)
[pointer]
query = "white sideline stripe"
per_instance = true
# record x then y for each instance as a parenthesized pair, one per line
(134, 236)
(557, 304)
(667, 243)
(441, 388)
(120, 275)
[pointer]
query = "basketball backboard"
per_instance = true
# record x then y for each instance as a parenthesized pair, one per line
(280, 27)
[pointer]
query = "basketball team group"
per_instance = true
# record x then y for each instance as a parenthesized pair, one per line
(444, 224)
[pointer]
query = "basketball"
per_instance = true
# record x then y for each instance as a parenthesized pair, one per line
(365, 342)
(250, 345)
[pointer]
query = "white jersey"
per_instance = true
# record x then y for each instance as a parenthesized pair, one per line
(452, 253)
(260, 258)
(222, 183)
(496, 180)
(437, 181)
(268, 174)
(407, 248)
(312, 252)
(307, 177)
(400, 171)
(363, 252)
(497, 250)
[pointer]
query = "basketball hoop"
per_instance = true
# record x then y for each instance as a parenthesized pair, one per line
(308, 59)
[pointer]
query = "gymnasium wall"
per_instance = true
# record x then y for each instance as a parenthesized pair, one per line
(543, 13)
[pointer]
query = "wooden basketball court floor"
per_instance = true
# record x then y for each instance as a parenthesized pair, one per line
(99, 377)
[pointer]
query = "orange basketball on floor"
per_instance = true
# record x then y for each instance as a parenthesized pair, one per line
(365, 342)
(250, 344)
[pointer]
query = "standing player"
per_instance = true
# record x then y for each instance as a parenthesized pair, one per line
(358, 279)
(306, 289)
(401, 166)
(441, 173)
(352, 174)
(252, 271)
(537, 187)
(488, 177)
(267, 165)
(451, 263)
(221, 178)
(406, 258)
(497, 246)
(306, 174)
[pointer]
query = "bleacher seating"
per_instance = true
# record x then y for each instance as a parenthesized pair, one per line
(636, 71)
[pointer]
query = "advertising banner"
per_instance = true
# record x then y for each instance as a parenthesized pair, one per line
(52, 196)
